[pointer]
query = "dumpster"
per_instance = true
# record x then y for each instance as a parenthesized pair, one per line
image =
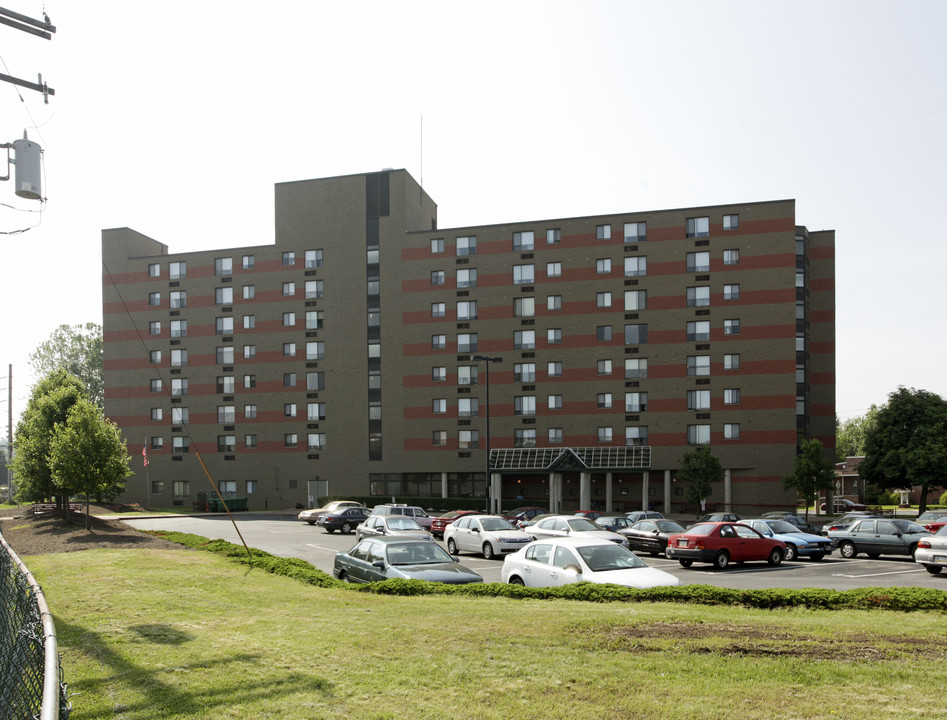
(234, 504)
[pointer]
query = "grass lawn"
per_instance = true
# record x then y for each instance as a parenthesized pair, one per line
(149, 634)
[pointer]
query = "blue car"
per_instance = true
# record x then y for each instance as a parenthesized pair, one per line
(798, 544)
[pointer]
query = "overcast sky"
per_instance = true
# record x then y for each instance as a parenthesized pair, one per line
(177, 118)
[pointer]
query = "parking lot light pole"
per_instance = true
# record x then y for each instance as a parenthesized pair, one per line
(486, 362)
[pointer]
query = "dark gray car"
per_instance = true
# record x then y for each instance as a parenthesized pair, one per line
(878, 536)
(380, 558)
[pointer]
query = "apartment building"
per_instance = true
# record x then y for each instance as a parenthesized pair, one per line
(567, 362)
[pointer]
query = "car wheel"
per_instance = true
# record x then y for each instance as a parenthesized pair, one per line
(346, 528)
(344, 576)
(775, 556)
(933, 569)
(517, 580)
(816, 557)
(488, 551)
(311, 522)
(721, 560)
(913, 550)
(847, 550)
(791, 552)
(452, 547)
(685, 563)
(653, 553)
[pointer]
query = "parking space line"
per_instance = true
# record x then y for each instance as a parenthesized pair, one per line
(893, 572)
(321, 547)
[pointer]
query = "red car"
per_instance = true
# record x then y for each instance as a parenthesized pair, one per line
(439, 523)
(721, 543)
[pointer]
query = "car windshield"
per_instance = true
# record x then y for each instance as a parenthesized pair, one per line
(609, 557)
(781, 526)
(494, 524)
(906, 526)
(701, 529)
(417, 554)
(399, 522)
(669, 526)
(581, 525)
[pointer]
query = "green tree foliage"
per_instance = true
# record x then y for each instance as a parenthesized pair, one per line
(49, 405)
(907, 446)
(850, 434)
(700, 468)
(811, 472)
(88, 455)
(77, 349)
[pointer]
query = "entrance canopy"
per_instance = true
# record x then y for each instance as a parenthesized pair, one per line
(545, 460)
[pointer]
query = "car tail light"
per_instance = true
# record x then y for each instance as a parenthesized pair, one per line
(924, 544)
(698, 544)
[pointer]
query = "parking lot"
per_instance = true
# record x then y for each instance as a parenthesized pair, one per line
(285, 536)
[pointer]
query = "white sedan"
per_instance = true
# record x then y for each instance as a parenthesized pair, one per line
(561, 561)
(489, 535)
(569, 525)
(932, 551)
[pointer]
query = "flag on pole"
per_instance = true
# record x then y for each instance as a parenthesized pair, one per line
(144, 454)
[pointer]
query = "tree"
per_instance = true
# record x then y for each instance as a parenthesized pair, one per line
(850, 434)
(88, 455)
(49, 405)
(811, 472)
(77, 349)
(907, 446)
(701, 469)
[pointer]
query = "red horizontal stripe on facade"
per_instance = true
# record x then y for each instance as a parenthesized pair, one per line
(822, 284)
(823, 378)
(819, 252)
(822, 316)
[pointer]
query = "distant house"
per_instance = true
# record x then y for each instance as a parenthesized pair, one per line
(849, 485)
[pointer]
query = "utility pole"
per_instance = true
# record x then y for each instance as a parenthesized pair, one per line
(41, 28)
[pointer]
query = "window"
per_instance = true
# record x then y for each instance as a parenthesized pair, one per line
(731, 396)
(223, 295)
(523, 274)
(179, 444)
(224, 325)
(467, 245)
(249, 382)
(553, 269)
(636, 300)
(437, 246)
(178, 299)
(604, 434)
(438, 310)
(731, 222)
(315, 350)
(636, 435)
(289, 379)
(157, 442)
(466, 342)
(731, 326)
(438, 342)
(467, 310)
(731, 292)
(290, 440)
(636, 368)
(249, 292)
(156, 414)
(468, 439)
(316, 381)
(156, 385)
(731, 431)
(439, 374)
(439, 438)
(439, 406)
(523, 307)
(468, 407)
(524, 438)
(289, 410)
(636, 402)
(698, 399)
(374, 410)
(223, 266)
(603, 367)
(225, 384)
(636, 232)
(698, 296)
(249, 441)
(698, 227)
(698, 365)
(698, 330)
(555, 436)
(180, 416)
(524, 405)
(289, 289)
(289, 349)
(636, 266)
(249, 322)
(698, 434)
(603, 266)
(603, 299)
(437, 277)
(178, 328)
(603, 401)
(178, 387)
(289, 319)
(226, 413)
(553, 236)
(554, 368)
(468, 374)
(154, 327)
(554, 302)
(154, 357)
(314, 320)
(249, 352)
(177, 270)
(524, 339)
(731, 257)
(467, 278)
(697, 262)
(314, 289)
(523, 241)
(154, 298)
(313, 258)
(731, 362)
(316, 441)
(247, 262)
(603, 333)
(603, 232)
(524, 372)
(154, 270)
(800, 279)
(636, 334)
(225, 355)
(249, 412)
(289, 258)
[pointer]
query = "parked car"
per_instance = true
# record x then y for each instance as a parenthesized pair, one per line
(721, 543)
(562, 561)
(651, 536)
(592, 515)
(520, 515)
(878, 536)
(564, 525)
(716, 517)
(380, 558)
(615, 523)
(793, 519)
(391, 525)
(932, 552)
(845, 520)
(312, 514)
(933, 520)
(442, 521)
(798, 543)
(841, 505)
(489, 535)
(345, 520)
(525, 525)
(636, 515)
(412, 511)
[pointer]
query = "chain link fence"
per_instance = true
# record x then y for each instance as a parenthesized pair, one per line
(31, 684)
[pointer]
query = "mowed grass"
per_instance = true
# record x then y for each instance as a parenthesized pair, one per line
(149, 634)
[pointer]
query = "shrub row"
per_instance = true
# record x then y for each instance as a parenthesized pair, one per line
(900, 599)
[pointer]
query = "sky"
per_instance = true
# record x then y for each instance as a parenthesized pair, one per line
(178, 118)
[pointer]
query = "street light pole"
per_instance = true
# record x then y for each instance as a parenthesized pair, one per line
(486, 362)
